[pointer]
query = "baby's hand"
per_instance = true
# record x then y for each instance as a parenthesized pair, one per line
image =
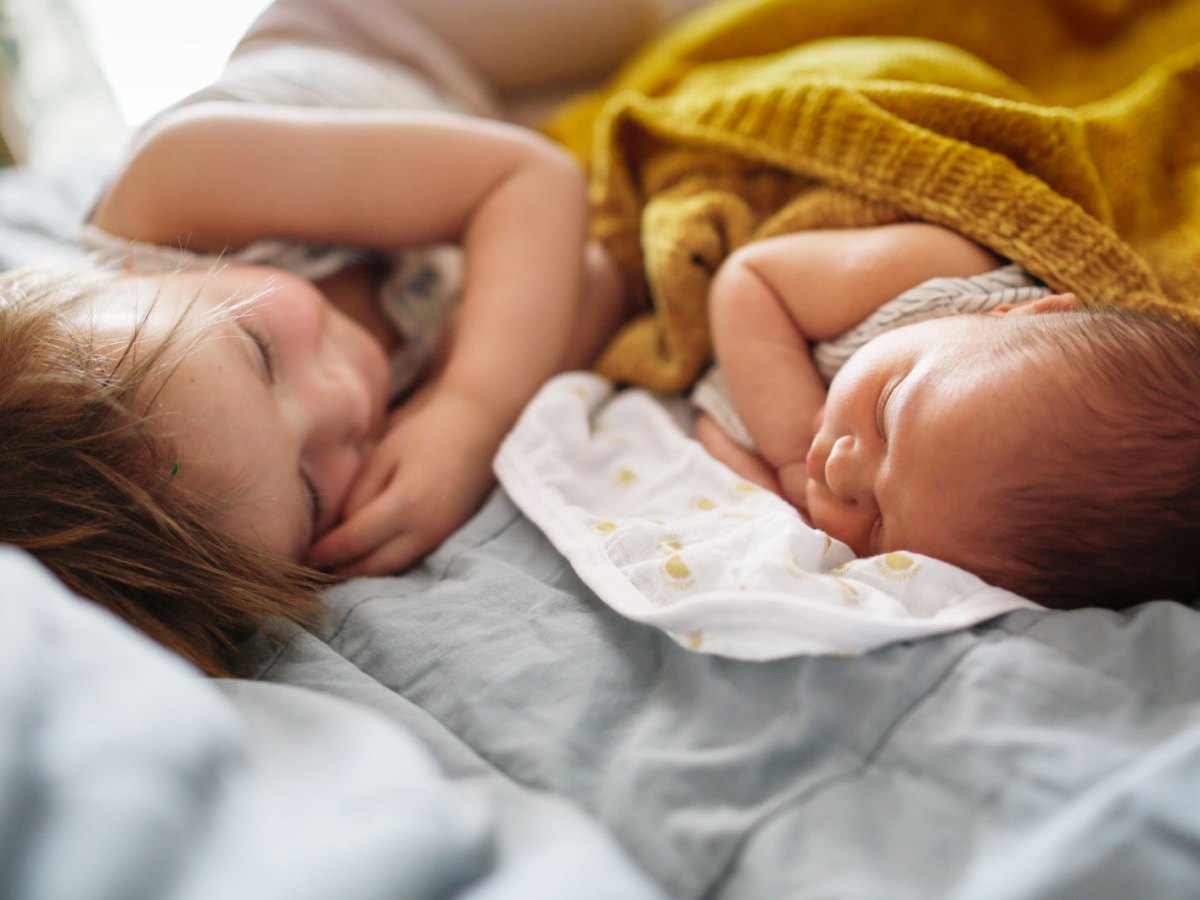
(725, 449)
(427, 476)
(793, 486)
(789, 482)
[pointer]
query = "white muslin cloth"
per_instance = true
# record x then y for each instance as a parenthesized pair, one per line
(668, 536)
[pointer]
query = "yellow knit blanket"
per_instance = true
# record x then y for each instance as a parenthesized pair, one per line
(1062, 134)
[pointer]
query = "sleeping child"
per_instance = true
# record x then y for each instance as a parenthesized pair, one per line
(257, 378)
(1050, 450)
(320, 292)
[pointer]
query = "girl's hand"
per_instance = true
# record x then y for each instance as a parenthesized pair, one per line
(427, 476)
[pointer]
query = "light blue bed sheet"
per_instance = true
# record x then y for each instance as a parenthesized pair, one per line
(1040, 755)
(124, 774)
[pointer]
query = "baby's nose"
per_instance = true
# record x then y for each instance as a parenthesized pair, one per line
(844, 471)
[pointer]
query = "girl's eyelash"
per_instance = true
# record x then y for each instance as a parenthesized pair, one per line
(314, 501)
(264, 350)
(268, 361)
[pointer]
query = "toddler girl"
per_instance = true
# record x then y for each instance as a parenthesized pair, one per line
(323, 289)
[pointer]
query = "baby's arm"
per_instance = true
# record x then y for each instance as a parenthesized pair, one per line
(773, 298)
(515, 202)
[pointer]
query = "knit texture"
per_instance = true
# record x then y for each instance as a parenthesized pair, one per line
(1062, 134)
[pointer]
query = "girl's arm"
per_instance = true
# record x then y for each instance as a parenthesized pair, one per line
(773, 298)
(519, 45)
(220, 176)
(223, 175)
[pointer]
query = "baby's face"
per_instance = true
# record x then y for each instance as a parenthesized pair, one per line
(919, 428)
(273, 414)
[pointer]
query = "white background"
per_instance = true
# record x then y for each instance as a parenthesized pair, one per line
(154, 52)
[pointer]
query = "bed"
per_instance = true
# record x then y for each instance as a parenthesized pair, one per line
(484, 726)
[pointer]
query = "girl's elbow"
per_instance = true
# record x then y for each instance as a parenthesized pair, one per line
(737, 289)
(559, 166)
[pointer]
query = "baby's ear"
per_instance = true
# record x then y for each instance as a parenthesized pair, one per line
(1053, 303)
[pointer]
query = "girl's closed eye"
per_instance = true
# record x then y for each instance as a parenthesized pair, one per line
(313, 496)
(265, 353)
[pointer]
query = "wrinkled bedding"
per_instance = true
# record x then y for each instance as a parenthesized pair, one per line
(665, 534)
(1040, 754)
(484, 726)
(124, 773)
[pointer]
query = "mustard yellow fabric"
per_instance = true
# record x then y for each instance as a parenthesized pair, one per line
(1062, 134)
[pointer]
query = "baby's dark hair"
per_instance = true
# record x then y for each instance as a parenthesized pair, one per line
(88, 489)
(1105, 511)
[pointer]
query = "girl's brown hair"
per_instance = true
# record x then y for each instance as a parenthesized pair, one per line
(88, 489)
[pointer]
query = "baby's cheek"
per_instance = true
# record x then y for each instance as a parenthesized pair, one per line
(849, 524)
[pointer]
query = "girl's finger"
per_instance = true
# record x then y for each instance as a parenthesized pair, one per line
(360, 533)
(380, 470)
(394, 556)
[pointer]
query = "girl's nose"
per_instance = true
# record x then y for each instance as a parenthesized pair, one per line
(338, 404)
(845, 471)
(350, 404)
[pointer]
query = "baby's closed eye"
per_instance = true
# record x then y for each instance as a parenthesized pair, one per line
(881, 406)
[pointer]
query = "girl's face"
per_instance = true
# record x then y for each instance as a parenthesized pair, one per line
(274, 412)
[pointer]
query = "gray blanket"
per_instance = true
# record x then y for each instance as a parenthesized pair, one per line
(1040, 755)
(124, 774)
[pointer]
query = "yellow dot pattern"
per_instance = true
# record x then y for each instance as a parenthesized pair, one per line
(669, 543)
(897, 566)
(676, 568)
(849, 592)
(676, 572)
(740, 490)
